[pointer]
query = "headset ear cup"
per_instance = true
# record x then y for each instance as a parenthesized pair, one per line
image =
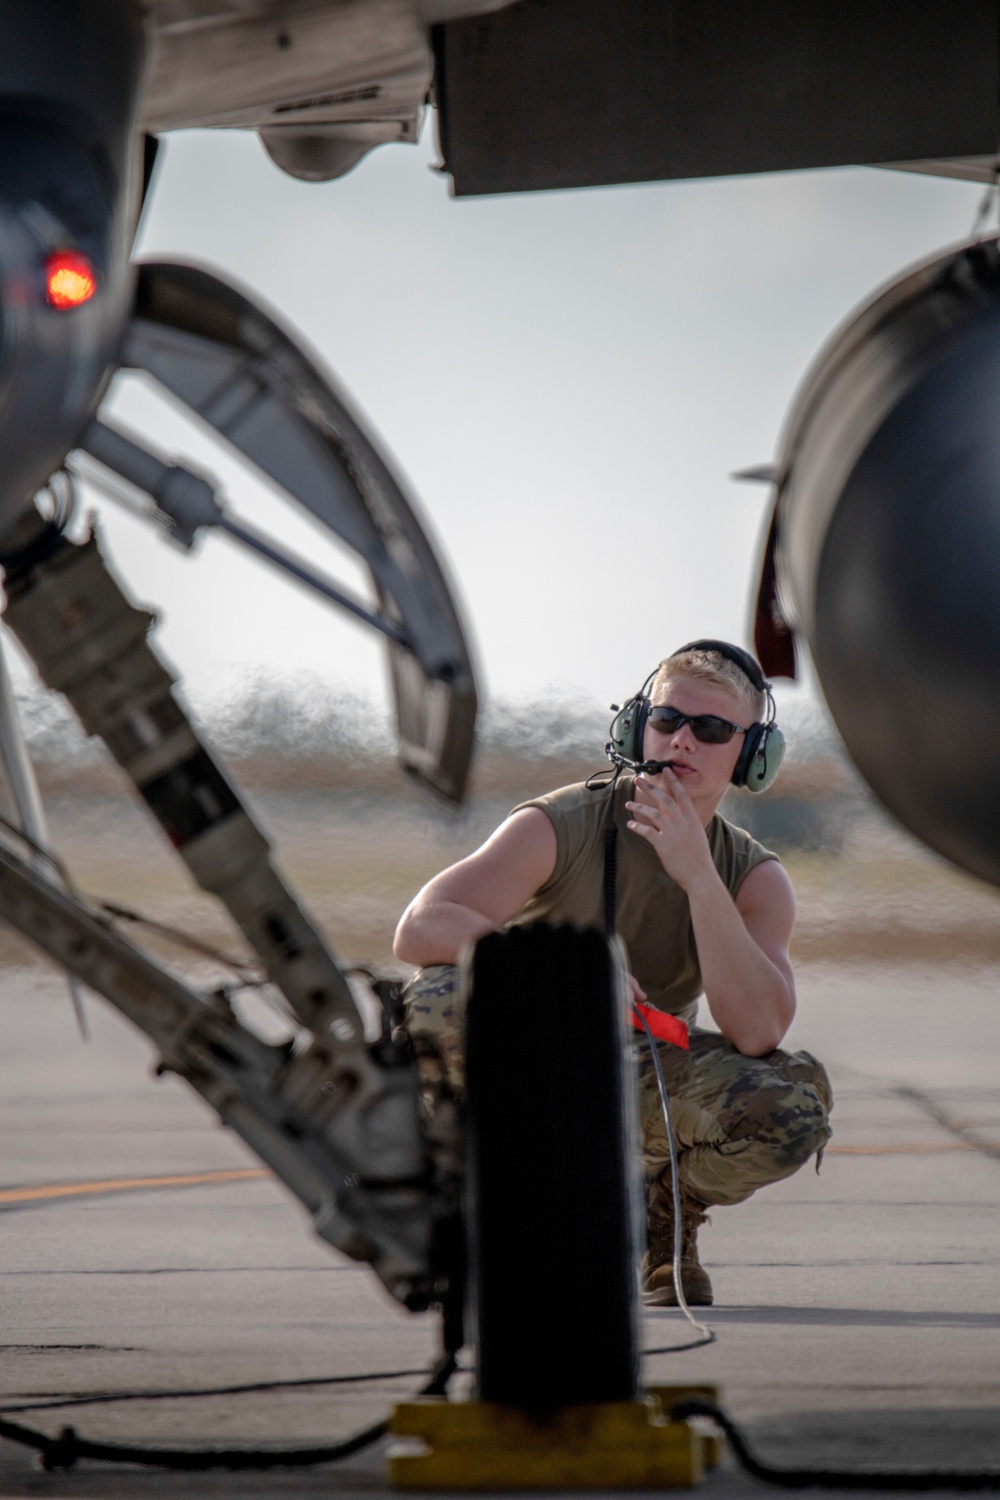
(639, 728)
(764, 760)
(627, 727)
(751, 744)
(629, 724)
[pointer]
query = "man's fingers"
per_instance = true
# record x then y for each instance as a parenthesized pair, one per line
(651, 832)
(648, 815)
(663, 790)
(669, 788)
(646, 791)
(675, 787)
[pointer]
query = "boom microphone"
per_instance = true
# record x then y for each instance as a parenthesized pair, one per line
(650, 767)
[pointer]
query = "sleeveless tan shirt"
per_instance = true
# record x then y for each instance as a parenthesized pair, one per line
(653, 915)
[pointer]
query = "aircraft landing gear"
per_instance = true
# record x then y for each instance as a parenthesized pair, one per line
(554, 1225)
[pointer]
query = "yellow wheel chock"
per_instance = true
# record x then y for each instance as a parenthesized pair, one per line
(480, 1445)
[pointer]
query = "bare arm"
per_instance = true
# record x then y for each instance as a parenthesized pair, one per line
(480, 893)
(742, 944)
(743, 952)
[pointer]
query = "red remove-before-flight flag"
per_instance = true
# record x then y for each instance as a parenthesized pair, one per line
(665, 1028)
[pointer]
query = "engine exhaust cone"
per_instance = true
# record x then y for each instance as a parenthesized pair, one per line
(888, 546)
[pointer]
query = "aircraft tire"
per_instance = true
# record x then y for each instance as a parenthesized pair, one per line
(553, 1177)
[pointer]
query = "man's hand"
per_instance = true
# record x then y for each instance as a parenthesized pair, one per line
(664, 815)
(742, 944)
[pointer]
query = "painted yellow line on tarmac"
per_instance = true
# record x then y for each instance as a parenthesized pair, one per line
(50, 1192)
(55, 1190)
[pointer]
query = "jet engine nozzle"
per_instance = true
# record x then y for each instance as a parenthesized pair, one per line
(886, 539)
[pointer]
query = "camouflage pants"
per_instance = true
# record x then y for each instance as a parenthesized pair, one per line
(739, 1122)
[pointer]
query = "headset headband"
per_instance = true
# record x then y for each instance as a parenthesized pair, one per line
(750, 668)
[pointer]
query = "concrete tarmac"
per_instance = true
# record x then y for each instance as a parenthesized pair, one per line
(857, 1311)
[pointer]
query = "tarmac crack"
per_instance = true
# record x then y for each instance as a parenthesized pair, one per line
(69, 1348)
(940, 1116)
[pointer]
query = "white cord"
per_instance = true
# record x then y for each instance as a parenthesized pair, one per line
(708, 1336)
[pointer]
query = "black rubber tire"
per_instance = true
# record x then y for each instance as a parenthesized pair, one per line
(553, 1175)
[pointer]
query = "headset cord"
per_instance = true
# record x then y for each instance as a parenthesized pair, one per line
(706, 1334)
(63, 1451)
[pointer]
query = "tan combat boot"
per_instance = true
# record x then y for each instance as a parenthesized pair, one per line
(657, 1265)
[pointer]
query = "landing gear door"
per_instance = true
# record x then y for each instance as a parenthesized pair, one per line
(227, 361)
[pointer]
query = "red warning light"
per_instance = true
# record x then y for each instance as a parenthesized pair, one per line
(69, 279)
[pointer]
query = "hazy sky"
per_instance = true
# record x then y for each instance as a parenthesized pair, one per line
(565, 382)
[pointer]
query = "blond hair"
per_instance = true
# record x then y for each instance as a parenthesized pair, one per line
(714, 668)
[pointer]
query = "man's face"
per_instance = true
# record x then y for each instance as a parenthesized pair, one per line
(704, 770)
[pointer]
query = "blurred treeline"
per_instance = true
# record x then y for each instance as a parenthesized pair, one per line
(317, 762)
(301, 733)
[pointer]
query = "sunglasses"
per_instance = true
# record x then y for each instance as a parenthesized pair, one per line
(709, 729)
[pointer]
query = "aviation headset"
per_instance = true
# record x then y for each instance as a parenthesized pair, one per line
(763, 745)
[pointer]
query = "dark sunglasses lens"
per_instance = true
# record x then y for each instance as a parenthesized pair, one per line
(666, 720)
(712, 731)
(705, 727)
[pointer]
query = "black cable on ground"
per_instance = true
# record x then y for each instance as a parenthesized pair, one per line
(832, 1479)
(63, 1451)
(102, 1398)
